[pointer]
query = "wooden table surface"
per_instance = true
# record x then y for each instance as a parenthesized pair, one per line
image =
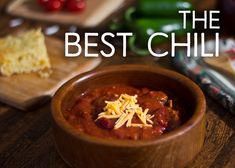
(26, 137)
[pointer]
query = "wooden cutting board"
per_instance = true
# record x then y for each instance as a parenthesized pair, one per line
(25, 91)
(96, 12)
(222, 64)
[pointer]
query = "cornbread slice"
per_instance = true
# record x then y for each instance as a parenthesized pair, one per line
(23, 53)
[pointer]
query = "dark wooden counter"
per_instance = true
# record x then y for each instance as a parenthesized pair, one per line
(26, 137)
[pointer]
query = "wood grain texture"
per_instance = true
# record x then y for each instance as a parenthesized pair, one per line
(95, 13)
(26, 90)
(217, 135)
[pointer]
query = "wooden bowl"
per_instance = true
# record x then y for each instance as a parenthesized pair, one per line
(172, 149)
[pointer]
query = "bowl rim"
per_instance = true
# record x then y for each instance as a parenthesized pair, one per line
(194, 120)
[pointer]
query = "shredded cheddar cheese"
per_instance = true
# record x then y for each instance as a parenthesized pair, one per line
(123, 109)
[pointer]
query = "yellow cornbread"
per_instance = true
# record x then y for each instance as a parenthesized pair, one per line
(23, 53)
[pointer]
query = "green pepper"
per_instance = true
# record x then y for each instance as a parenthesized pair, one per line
(162, 8)
(150, 16)
(143, 28)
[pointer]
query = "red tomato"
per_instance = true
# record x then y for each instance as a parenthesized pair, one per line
(53, 5)
(75, 5)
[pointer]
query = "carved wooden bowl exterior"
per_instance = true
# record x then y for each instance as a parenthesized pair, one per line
(171, 150)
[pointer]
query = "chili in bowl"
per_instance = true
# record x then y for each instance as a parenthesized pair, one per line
(124, 112)
(129, 116)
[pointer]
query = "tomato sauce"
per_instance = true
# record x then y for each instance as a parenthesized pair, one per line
(83, 114)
